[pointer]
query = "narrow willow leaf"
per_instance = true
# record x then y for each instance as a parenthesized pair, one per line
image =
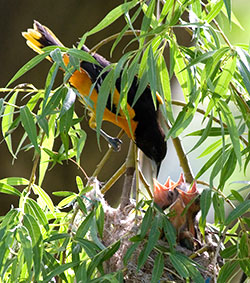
(29, 126)
(244, 67)
(15, 181)
(36, 237)
(84, 227)
(218, 166)
(105, 254)
(183, 75)
(7, 120)
(153, 237)
(165, 86)
(67, 201)
(169, 232)
(148, 10)
(228, 168)
(28, 66)
(103, 95)
(229, 252)
(109, 19)
(130, 252)
(238, 211)
(8, 189)
(60, 269)
(68, 101)
(49, 82)
(210, 148)
(219, 210)
(48, 143)
(90, 248)
(204, 135)
(213, 132)
(44, 197)
(226, 272)
(100, 219)
(233, 131)
(26, 245)
(205, 201)
(82, 55)
(210, 162)
(152, 73)
(236, 196)
(179, 266)
(228, 4)
(146, 222)
(165, 9)
(38, 213)
(214, 11)
(226, 77)
(158, 268)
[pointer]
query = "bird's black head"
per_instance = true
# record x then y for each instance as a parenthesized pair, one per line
(150, 138)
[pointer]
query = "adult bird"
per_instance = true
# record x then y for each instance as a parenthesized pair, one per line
(143, 128)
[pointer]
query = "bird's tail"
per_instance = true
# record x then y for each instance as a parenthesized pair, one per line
(40, 37)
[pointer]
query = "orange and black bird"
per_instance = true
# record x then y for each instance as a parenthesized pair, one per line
(144, 129)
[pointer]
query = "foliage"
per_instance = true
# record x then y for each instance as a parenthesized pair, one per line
(39, 241)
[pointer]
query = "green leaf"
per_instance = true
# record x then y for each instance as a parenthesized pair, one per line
(158, 268)
(56, 237)
(38, 213)
(29, 126)
(68, 101)
(100, 219)
(36, 237)
(244, 67)
(179, 265)
(84, 227)
(211, 161)
(228, 4)
(28, 66)
(238, 211)
(237, 196)
(152, 73)
(233, 131)
(153, 237)
(215, 10)
(228, 168)
(213, 132)
(48, 143)
(60, 269)
(8, 189)
(82, 55)
(227, 271)
(205, 203)
(226, 77)
(166, 9)
(165, 86)
(26, 245)
(67, 201)
(7, 120)
(90, 248)
(229, 252)
(169, 232)
(146, 222)
(219, 210)
(45, 199)
(204, 135)
(130, 252)
(109, 19)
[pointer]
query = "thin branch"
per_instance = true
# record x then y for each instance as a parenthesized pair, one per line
(105, 158)
(114, 178)
(112, 37)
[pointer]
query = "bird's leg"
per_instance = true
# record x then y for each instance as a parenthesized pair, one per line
(115, 143)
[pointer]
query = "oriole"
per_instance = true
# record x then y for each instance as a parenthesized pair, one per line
(145, 129)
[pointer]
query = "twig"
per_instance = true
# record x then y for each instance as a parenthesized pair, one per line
(114, 178)
(35, 164)
(128, 181)
(200, 251)
(112, 37)
(105, 158)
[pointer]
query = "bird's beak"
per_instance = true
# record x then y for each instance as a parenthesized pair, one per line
(156, 167)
